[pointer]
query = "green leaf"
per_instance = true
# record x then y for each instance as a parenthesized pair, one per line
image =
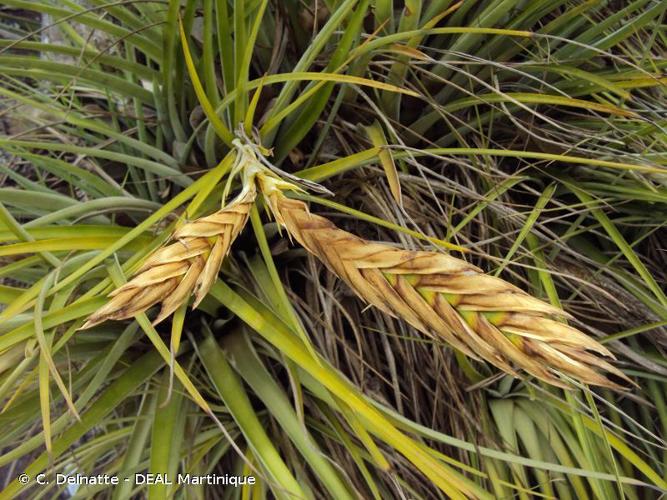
(231, 391)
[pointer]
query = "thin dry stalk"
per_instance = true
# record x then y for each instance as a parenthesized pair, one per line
(188, 266)
(447, 298)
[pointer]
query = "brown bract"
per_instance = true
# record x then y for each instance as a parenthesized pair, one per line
(447, 298)
(188, 266)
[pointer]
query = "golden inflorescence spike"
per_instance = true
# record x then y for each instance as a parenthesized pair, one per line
(447, 298)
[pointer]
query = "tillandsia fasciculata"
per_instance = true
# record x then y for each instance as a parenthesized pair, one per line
(441, 296)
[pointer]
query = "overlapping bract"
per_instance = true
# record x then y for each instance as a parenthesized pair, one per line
(445, 297)
(188, 266)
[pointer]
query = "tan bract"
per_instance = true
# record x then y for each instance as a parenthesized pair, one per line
(188, 266)
(447, 298)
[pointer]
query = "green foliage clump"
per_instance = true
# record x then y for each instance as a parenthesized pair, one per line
(527, 137)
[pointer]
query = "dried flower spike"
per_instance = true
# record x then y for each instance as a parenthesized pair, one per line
(188, 266)
(445, 297)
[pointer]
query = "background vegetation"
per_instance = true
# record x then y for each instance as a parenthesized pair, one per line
(530, 134)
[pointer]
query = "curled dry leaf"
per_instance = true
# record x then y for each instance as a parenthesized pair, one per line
(447, 298)
(188, 266)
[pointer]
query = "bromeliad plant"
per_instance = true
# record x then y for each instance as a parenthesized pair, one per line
(482, 316)
(525, 139)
